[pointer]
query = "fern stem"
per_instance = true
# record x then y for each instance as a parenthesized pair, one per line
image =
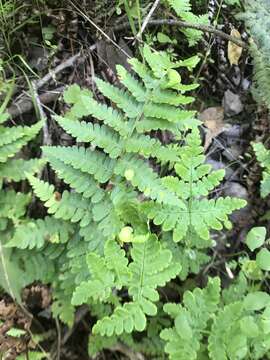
(142, 271)
(3, 261)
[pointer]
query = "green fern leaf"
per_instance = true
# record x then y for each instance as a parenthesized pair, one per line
(148, 147)
(125, 318)
(180, 6)
(91, 162)
(152, 266)
(71, 206)
(263, 156)
(13, 140)
(141, 176)
(224, 323)
(123, 100)
(100, 136)
(190, 319)
(202, 216)
(133, 85)
(15, 169)
(82, 182)
(12, 204)
(108, 272)
(108, 115)
(34, 234)
(171, 114)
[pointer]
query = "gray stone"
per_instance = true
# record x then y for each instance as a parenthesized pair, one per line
(232, 103)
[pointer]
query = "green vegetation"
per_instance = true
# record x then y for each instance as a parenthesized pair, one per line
(127, 217)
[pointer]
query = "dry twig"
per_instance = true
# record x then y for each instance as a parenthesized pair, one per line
(200, 27)
(47, 140)
(147, 19)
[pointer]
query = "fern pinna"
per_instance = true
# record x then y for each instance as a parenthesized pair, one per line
(256, 18)
(204, 328)
(13, 207)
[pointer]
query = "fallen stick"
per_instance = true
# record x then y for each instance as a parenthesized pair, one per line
(184, 24)
(26, 104)
(47, 140)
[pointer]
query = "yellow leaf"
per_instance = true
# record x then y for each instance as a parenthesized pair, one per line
(234, 51)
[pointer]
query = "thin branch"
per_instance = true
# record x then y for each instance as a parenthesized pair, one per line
(26, 103)
(51, 74)
(125, 350)
(65, 64)
(147, 19)
(183, 24)
(46, 133)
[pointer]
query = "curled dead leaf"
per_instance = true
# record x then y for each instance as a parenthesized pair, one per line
(234, 51)
(212, 119)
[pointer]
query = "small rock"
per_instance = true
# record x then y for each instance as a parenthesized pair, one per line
(232, 103)
(217, 165)
(235, 189)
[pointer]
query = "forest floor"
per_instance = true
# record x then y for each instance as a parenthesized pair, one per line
(55, 46)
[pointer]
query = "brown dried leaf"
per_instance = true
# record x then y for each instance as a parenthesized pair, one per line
(234, 51)
(7, 311)
(212, 119)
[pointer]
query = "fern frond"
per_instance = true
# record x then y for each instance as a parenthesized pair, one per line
(123, 100)
(263, 156)
(99, 135)
(71, 206)
(147, 181)
(106, 214)
(180, 6)
(14, 140)
(170, 97)
(108, 272)
(158, 61)
(82, 182)
(44, 190)
(91, 162)
(152, 266)
(256, 18)
(201, 216)
(34, 234)
(190, 319)
(12, 204)
(169, 113)
(184, 11)
(15, 169)
(133, 85)
(108, 115)
(148, 124)
(194, 180)
(149, 147)
(125, 318)
(224, 323)
(142, 70)
(100, 287)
